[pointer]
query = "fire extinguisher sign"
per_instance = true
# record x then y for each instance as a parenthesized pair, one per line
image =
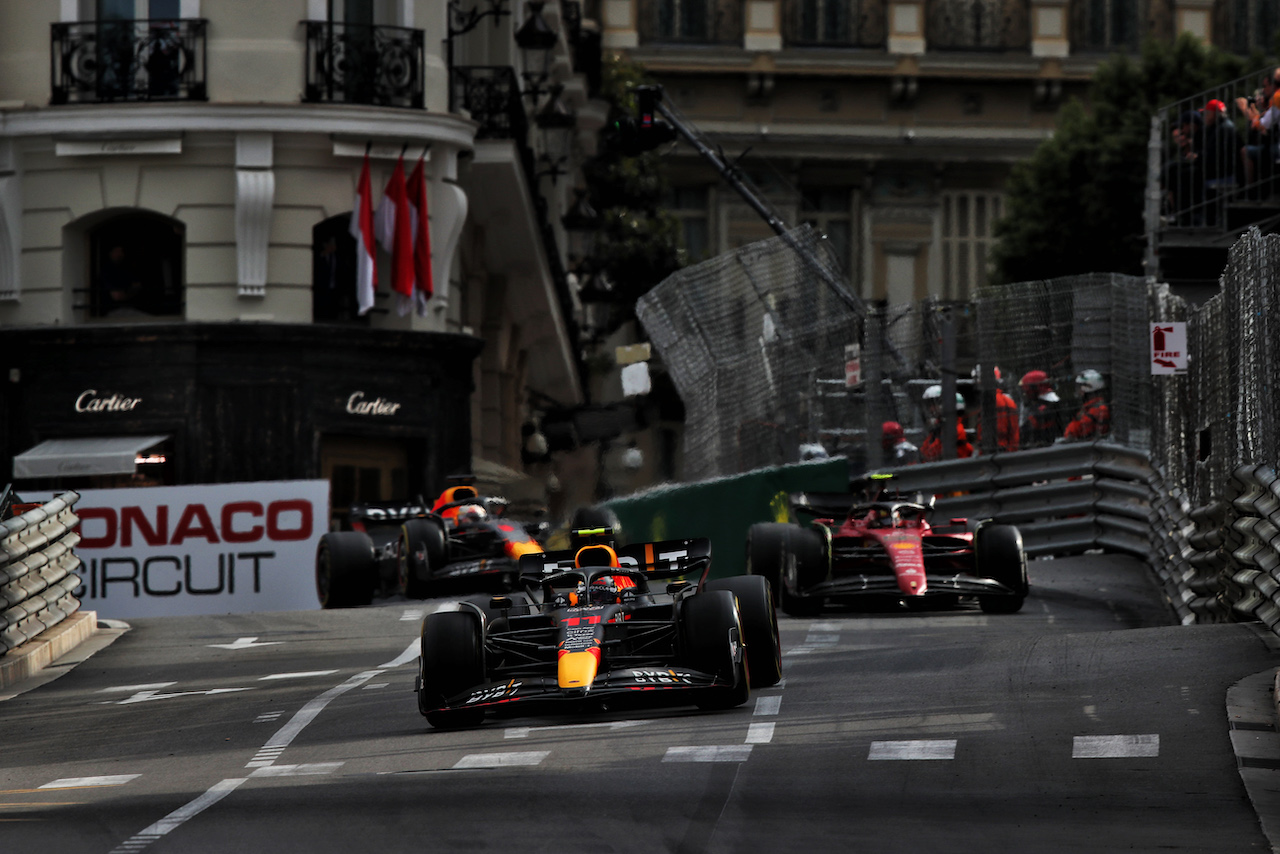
(1168, 348)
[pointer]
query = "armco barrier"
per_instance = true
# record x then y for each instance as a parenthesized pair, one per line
(37, 570)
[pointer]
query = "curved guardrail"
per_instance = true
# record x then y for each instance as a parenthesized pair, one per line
(37, 570)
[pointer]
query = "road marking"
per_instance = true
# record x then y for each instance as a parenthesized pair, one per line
(90, 782)
(1115, 746)
(768, 705)
(523, 731)
(133, 689)
(372, 685)
(175, 819)
(145, 696)
(287, 733)
(760, 733)
(709, 753)
(940, 748)
(1091, 712)
(410, 654)
(300, 675)
(244, 643)
(305, 769)
(814, 639)
(502, 760)
(825, 627)
(411, 615)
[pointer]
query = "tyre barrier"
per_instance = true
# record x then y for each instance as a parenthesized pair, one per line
(37, 570)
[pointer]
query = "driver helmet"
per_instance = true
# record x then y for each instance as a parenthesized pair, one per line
(465, 514)
(1090, 380)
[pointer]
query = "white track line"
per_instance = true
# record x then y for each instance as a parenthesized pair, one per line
(941, 748)
(1115, 746)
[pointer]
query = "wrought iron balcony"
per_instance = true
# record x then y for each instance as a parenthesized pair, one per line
(1243, 26)
(362, 64)
(1110, 25)
(987, 25)
(491, 94)
(835, 23)
(708, 22)
(118, 60)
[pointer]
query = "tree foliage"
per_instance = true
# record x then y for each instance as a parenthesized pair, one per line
(1077, 205)
(637, 243)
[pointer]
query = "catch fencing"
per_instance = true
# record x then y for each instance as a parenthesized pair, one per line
(37, 570)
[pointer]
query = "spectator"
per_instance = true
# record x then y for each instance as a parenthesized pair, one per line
(1222, 153)
(1263, 114)
(1042, 411)
(1006, 414)
(1093, 421)
(931, 450)
(898, 451)
(1184, 175)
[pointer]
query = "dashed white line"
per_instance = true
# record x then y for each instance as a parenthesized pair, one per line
(90, 782)
(768, 705)
(760, 733)
(176, 818)
(1115, 746)
(133, 689)
(410, 654)
(939, 748)
(502, 760)
(709, 753)
(305, 769)
(524, 731)
(410, 616)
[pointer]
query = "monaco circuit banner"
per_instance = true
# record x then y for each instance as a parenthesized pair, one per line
(230, 548)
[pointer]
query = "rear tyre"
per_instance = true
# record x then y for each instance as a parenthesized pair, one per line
(712, 632)
(774, 549)
(759, 626)
(1000, 556)
(422, 546)
(346, 570)
(452, 660)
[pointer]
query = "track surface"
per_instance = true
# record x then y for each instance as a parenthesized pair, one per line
(1085, 723)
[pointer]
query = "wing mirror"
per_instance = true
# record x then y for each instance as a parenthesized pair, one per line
(675, 588)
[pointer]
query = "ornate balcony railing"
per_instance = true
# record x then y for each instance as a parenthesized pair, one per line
(117, 60)
(362, 64)
(988, 25)
(1119, 25)
(709, 22)
(835, 23)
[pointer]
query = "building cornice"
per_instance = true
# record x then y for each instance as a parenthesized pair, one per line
(100, 121)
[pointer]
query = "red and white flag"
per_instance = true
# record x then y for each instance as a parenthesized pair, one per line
(395, 233)
(424, 286)
(361, 229)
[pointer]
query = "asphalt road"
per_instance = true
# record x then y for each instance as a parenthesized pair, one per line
(1088, 722)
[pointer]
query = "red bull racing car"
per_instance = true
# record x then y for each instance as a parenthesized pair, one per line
(886, 550)
(463, 539)
(590, 632)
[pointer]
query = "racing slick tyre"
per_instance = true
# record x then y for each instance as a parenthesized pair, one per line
(1000, 556)
(452, 660)
(423, 545)
(712, 632)
(346, 570)
(759, 626)
(773, 549)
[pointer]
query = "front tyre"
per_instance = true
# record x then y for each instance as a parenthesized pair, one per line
(1000, 556)
(452, 660)
(759, 626)
(712, 632)
(346, 570)
(422, 546)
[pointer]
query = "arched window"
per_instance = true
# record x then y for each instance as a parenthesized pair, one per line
(136, 266)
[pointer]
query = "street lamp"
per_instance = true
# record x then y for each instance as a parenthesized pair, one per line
(462, 21)
(536, 39)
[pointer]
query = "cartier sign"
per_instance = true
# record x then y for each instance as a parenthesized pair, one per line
(91, 400)
(358, 404)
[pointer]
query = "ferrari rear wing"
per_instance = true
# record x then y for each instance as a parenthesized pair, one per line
(663, 559)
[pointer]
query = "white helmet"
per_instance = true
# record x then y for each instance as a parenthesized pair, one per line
(934, 393)
(1090, 380)
(978, 378)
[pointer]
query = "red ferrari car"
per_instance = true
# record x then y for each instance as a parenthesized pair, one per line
(886, 549)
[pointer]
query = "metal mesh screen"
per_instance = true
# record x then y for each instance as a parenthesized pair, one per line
(755, 343)
(748, 337)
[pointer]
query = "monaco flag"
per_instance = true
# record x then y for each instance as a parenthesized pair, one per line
(421, 238)
(395, 233)
(361, 229)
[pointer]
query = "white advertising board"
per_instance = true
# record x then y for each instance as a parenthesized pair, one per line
(231, 548)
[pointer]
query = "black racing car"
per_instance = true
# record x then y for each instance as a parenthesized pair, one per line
(464, 540)
(589, 632)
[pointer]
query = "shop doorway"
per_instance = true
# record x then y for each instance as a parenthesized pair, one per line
(360, 471)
